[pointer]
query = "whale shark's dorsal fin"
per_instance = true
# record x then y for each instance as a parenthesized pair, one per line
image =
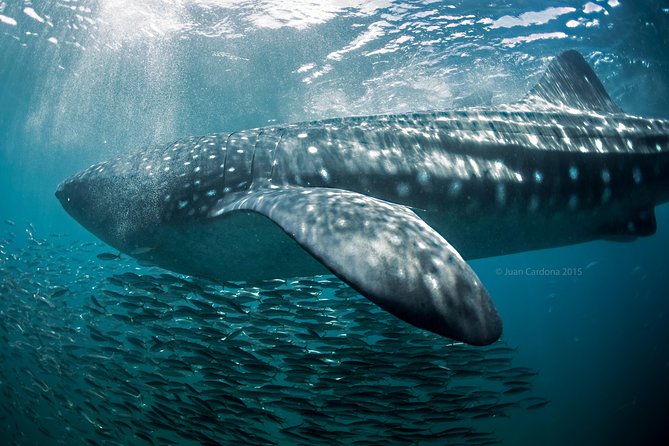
(570, 82)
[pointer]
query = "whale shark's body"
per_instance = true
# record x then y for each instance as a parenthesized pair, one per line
(375, 199)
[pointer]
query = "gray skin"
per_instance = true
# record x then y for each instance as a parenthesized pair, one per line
(375, 199)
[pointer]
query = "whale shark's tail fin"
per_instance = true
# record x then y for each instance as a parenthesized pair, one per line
(570, 82)
(386, 253)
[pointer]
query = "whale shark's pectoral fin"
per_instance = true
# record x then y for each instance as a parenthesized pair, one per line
(388, 254)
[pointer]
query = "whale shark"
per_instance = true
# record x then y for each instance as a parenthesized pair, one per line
(392, 204)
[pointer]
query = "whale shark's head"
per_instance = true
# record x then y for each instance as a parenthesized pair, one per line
(115, 201)
(126, 200)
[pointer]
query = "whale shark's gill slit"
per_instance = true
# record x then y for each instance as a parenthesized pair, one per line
(238, 167)
(282, 131)
(224, 165)
(264, 158)
(253, 157)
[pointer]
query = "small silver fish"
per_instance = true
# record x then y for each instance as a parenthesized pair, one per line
(108, 256)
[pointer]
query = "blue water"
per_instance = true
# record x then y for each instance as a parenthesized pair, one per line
(81, 81)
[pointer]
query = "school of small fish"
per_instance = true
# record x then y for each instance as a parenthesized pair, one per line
(97, 350)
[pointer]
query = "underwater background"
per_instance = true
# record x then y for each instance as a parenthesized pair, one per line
(101, 350)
